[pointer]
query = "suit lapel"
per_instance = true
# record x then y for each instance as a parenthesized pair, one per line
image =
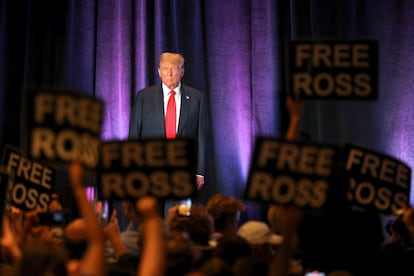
(159, 109)
(185, 103)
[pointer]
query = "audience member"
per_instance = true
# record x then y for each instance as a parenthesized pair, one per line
(153, 256)
(276, 222)
(396, 256)
(126, 241)
(225, 211)
(262, 241)
(152, 259)
(198, 224)
(182, 254)
(232, 247)
(289, 220)
(92, 262)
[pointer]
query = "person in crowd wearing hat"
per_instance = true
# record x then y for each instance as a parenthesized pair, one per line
(261, 239)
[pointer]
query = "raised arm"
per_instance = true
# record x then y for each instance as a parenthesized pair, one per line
(113, 233)
(153, 261)
(9, 243)
(93, 261)
(290, 218)
(294, 108)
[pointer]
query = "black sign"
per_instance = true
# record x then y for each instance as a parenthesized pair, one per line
(296, 173)
(333, 69)
(33, 182)
(64, 126)
(134, 169)
(376, 181)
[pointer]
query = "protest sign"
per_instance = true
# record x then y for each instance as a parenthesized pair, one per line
(63, 126)
(287, 172)
(332, 69)
(33, 181)
(376, 180)
(157, 167)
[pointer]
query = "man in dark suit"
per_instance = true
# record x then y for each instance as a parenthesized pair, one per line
(150, 108)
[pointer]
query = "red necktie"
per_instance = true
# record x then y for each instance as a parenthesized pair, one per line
(170, 117)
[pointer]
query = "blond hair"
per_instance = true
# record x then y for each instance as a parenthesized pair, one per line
(173, 58)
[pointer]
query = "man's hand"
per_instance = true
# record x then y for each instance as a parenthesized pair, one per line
(294, 108)
(147, 207)
(112, 229)
(200, 181)
(8, 242)
(76, 175)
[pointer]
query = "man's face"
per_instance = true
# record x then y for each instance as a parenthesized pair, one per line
(170, 73)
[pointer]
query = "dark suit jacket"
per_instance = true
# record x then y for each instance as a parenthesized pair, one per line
(147, 118)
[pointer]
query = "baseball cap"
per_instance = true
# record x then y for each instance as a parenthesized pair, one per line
(257, 232)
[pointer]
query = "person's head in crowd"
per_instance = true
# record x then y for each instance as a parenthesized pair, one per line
(181, 254)
(398, 232)
(232, 247)
(129, 210)
(263, 242)
(225, 211)
(274, 220)
(197, 223)
(171, 69)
